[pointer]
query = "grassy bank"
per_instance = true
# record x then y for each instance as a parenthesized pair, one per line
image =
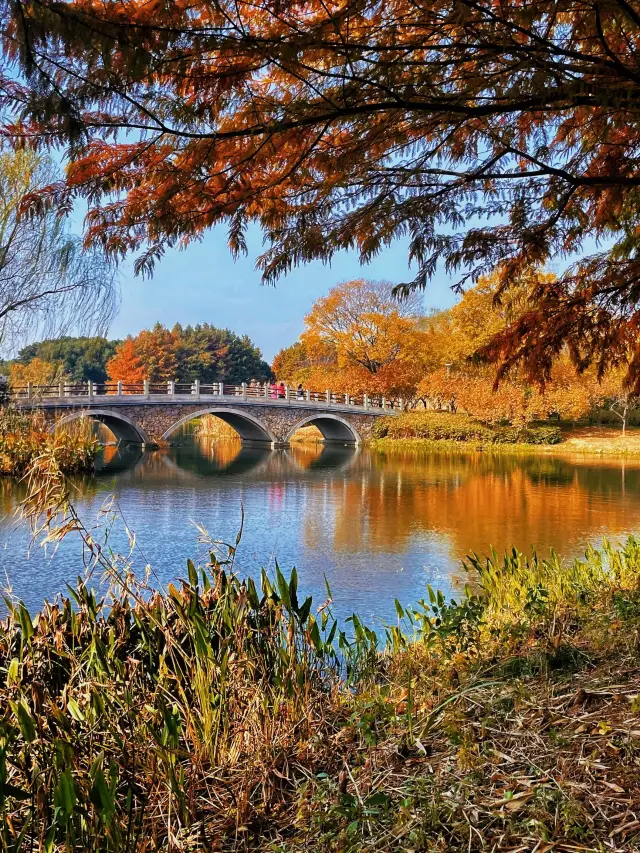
(434, 431)
(221, 714)
(25, 437)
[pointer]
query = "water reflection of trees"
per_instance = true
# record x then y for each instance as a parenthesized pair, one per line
(479, 500)
(388, 501)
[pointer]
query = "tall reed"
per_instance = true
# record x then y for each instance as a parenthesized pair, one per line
(24, 436)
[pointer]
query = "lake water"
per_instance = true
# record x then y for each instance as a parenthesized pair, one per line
(378, 526)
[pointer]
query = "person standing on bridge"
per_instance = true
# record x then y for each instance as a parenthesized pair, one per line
(274, 390)
(300, 392)
(282, 391)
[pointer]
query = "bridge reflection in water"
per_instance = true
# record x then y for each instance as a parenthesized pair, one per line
(202, 457)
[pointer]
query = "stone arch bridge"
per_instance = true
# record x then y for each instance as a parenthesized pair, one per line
(156, 413)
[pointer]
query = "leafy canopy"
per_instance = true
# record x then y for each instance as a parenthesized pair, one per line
(80, 359)
(358, 338)
(487, 134)
(195, 352)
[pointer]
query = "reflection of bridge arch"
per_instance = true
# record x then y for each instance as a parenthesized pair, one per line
(120, 425)
(332, 457)
(248, 460)
(332, 427)
(126, 457)
(248, 427)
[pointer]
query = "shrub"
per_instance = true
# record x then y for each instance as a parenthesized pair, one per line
(444, 426)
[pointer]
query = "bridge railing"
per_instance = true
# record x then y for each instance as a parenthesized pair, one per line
(145, 389)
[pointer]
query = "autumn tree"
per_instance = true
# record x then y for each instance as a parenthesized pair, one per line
(457, 338)
(196, 352)
(475, 395)
(80, 359)
(359, 337)
(617, 398)
(150, 355)
(488, 135)
(217, 355)
(293, 366)
(125, 365)
(37, 372)
(156, 350)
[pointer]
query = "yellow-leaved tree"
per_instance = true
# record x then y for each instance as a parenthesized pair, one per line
(360, 339)
(37, 371)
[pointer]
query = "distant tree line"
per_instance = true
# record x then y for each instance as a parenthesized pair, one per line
(201, 352)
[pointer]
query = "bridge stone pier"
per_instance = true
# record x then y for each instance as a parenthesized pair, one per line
(153, 419)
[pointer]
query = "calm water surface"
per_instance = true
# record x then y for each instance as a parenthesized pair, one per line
(379, 526)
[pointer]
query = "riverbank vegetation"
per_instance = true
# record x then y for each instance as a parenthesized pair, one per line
(444, 426)
(225, 714)
(24, 438)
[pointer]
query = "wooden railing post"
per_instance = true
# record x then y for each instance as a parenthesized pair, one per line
(347, 400)
(286, 393)
(119, 388)
(90, 389)
(244, 390)
(307, 396)
(366, 401)
(29, 390)
(328, 393)
(61, 389)
(171, 387)
(384, 403)
(196, 388)
(145, 387)
(266, 390)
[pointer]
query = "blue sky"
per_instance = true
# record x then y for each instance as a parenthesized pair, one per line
(204, 284)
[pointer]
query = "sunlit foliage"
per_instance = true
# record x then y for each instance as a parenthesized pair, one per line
(201, 352)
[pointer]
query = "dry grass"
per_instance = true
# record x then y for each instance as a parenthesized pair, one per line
(24, 437)
(603, 440)
(210, 426)
(307, 435)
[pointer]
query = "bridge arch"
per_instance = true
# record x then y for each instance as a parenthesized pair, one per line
(248, 427)
(332, 427)
(120, 425)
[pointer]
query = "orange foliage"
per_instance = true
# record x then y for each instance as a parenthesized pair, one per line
(346, 125)
(476, 396)
(359, 339)
(150, 355)
(126, 366)
(156, 350)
